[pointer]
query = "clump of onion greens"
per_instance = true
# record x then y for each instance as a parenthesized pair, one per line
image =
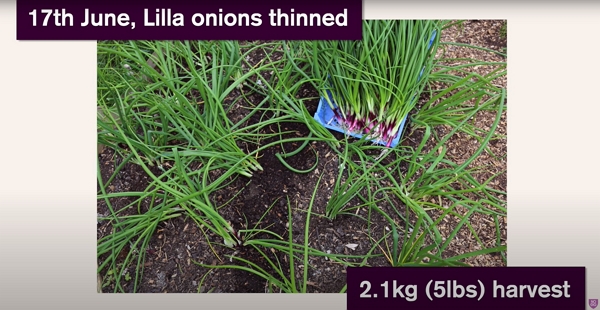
(372, 84)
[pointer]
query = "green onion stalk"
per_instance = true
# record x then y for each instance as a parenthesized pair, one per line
(372, 84)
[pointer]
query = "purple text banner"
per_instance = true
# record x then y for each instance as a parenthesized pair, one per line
(466, 288)
(189, 20)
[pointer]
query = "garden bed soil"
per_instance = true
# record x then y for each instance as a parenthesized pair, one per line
(178, 243)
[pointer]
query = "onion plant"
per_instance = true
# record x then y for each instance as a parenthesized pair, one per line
(372, 84)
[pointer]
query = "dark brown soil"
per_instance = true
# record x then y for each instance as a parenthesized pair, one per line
(179, 242)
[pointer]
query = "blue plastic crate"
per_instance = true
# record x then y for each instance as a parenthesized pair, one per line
(326, 117)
